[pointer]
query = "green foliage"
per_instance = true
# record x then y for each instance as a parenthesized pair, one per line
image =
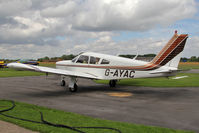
(28, 111)
(67, 57)
(46, 58)
(194, 59)
(132, 56)
(54, 59)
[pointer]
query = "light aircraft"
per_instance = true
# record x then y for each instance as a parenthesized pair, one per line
(92, 65)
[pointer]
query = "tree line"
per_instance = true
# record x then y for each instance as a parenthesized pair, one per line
(71, 56)
(131, 56)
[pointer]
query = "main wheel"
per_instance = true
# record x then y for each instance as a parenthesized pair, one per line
(74, 89)
(112, 83)
(63, 83)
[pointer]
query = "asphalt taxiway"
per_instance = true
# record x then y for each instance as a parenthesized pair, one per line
(176, 108)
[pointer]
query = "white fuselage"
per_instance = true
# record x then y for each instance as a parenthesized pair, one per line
(102, 71)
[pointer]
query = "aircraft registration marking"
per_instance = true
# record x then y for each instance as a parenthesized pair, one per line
(120, 73)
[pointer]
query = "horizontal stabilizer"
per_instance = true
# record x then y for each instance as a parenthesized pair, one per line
(180, 77)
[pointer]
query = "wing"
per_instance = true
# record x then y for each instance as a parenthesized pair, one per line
(51, 70)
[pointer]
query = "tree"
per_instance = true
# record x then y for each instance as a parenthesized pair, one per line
(67, 57)
(193, 59)
(184, 59)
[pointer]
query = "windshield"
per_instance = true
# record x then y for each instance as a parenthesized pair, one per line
(83, 59)
(74, 59)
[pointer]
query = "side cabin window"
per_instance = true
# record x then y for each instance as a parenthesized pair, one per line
(105, 61)
(94, 60)
(83, 59)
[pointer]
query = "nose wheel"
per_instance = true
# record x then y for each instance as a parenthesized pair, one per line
(74, 88)
(63, 83)
(73, 84)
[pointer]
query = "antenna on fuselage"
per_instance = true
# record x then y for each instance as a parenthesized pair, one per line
(118, 54)
(136, 55)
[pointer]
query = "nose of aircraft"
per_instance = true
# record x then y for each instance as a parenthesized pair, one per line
(9, 64)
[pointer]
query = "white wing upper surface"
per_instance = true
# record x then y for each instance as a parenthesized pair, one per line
(51, 70)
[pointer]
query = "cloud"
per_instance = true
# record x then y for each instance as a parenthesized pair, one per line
(192, 46)
(63, 10)
(35, 28)
(13, 7)
(136, 15)
(130, 15)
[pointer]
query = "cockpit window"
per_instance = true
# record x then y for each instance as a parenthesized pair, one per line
(83, 59)
(105, 61)
(94, 60)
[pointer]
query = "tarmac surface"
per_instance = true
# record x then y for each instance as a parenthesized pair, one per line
(176, 108)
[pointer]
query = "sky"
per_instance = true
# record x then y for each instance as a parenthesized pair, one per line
(31, 29)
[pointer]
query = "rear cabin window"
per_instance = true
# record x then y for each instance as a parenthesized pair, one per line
(94, 60)
(83, 59)
(105, 61)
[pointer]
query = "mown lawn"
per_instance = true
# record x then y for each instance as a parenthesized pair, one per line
(47, 64)
(190, 81)
(189, 65)
(28, 111)
(9, 72)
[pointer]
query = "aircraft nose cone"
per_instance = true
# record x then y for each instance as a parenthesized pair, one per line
(9, 65)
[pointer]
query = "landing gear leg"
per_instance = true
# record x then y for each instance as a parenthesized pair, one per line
(112, 83)
(73, 84)
(63, 82)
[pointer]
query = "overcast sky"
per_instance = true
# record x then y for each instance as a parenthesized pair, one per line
(38, 28)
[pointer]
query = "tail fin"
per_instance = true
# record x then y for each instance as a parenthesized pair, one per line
(170, 51)
(174, 62)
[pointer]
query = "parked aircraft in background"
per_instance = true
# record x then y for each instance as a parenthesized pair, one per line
(101, 66)
(27, 61)
(3, 64)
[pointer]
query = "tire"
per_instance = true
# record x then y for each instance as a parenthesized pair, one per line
(63, 83)
(112, 83)
(74, 89)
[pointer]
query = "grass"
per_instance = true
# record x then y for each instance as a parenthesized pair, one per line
(190, 81)
(28, 111)
(47, 64)
(189, 65)
(9, 72)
